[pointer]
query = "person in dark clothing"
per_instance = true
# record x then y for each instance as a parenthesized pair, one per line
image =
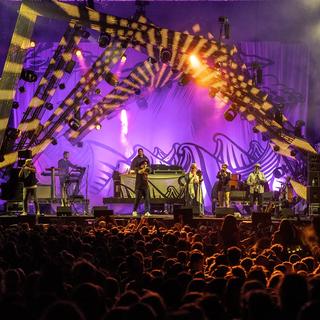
(142, 188)
(64, 166)
(224, 177)
(138, 159)
(28, 175)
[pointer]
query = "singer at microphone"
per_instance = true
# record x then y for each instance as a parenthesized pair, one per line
(223, 188)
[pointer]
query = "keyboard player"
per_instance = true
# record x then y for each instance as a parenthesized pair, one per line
(64, 166)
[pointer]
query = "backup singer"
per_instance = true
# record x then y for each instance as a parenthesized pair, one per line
(256, 181)
(28, 175)
(224, 177)
(194, 195)
(142, 189)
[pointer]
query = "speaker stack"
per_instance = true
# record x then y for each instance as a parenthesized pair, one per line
(313, 180)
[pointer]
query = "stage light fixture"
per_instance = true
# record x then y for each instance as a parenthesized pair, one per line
(276, 148)
(84, 34)
(97, 91)
(98, 126)
(227, 30)
(257, 72)
(184, 79)
(230, 113)
(15, 104)
(32, 44)
(54, 141)
(69, 66)
(194, 61)
(293, 153)
(104, 40)
(255, 130)
(165, 55)
(224, 28)
(22, 89)
(48, 106)
(28, 75)
(74, 124)
(111, 79)
(213, 92)
(278, 116)
(298, 128)
(62, 86)
(78, 53)
(152, 60)
(12, 133)
(124, 44)
(123, 58)
(86, 100)
(278, 173)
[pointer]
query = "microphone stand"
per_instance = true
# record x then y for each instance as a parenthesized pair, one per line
(86, 206)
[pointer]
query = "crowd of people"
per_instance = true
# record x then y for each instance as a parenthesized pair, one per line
(146, 270)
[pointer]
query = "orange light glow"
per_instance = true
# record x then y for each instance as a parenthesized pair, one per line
(194, 61)
(32, 44)
(123, 58)
(98, 126)
(78, 53)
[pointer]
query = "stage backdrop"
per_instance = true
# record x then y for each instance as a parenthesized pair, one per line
(176, 124)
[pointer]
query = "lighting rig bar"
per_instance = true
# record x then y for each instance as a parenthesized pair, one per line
(86, 84)
(133, 84)
(47, 86)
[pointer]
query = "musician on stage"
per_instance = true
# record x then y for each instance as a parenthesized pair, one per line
(224, 177)
(28, 175)
(142, 188)
(137, 160)
(64, 166)
(256, 181)
(194, 195)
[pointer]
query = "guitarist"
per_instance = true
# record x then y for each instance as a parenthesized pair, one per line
(256, 181)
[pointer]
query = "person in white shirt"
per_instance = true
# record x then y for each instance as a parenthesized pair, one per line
(256, 181)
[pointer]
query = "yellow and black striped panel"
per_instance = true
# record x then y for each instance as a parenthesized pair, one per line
(141, 76)
(20, 42)
(87, 83)
(47, 85)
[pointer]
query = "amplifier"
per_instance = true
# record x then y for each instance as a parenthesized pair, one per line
(313, 194)
(44, 191)
(222, 212)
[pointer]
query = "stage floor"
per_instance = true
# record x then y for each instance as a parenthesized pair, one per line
(167, 219)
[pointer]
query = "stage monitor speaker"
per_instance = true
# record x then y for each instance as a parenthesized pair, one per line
(261, 218)
(64, 211)
(236, 195)
(183, 215)
(286, 213)
(222, 212)
(101, 211)
(313, 194)
(267, 196)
